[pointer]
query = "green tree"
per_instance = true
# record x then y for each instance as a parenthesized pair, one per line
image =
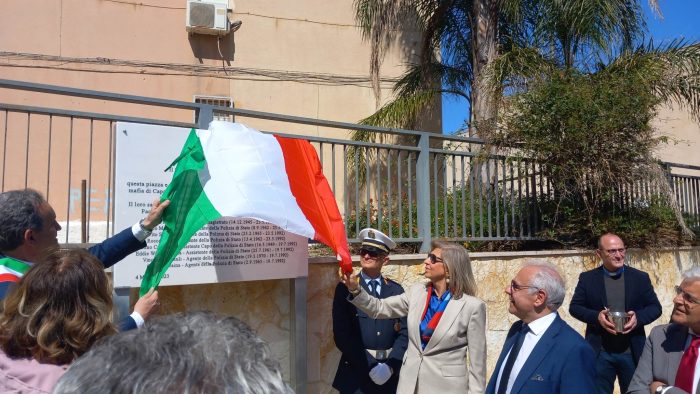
(553, 80)
(591, 130)
(460, 40)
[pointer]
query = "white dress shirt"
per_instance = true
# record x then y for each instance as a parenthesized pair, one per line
(377, 281)
(696, 374)
(534, 334)
(139, 233)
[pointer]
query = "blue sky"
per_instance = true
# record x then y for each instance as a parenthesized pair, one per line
(680, 19)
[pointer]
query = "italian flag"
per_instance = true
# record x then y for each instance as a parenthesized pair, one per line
(232, 170)
(12, 270)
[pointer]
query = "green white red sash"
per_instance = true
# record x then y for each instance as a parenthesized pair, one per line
(11, 270)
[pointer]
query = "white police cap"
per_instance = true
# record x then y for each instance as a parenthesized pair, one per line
(377, 239)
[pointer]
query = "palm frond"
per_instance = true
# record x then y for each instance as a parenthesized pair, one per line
(421, 77)
(575, 28)
(402, 112)
(654, 5)
(399, 114)
(514, 70)
(672, 70)
(379, 21)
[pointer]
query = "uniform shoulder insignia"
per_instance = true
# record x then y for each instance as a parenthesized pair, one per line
(389, 280)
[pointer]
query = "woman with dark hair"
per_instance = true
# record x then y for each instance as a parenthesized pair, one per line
(446, 322)
(56, 313)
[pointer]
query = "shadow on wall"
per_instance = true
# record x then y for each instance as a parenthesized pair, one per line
(205, 46)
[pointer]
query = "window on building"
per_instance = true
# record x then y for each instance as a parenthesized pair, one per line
(218, 101)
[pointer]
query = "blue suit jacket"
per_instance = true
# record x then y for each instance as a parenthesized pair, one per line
(126, 324)
(590, 298)
(354, 331)
(561, 362)
(112, 250)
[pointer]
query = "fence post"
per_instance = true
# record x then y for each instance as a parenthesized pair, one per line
(205, 114)
(423, 192)
(298, 343)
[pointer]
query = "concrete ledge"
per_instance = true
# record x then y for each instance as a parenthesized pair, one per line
(513, 255)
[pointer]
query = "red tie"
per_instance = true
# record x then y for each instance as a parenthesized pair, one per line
(686, 369)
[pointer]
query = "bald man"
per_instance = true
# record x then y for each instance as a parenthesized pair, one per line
(614, 286)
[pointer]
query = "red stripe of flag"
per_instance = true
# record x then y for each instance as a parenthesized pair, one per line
(9, 278)
(315, 197)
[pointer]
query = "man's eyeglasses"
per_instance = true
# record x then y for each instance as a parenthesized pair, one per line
(614, 251)
(686, 297)
(516, 287)
(372, 253)
(434, 259)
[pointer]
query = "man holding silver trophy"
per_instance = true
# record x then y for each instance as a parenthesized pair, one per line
(615, 301)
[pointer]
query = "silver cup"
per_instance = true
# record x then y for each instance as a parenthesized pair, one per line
(619, 319)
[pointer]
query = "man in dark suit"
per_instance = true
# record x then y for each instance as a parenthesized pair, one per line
(614, 287)
(542, 354)
(28, 231)
(372, 349)
(670, 356)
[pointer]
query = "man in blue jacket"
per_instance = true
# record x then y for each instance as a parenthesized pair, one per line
(542, 354)
(614, 286)
(28, 231)
(372, 349)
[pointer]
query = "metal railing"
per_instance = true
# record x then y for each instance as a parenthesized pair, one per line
(413, 185)
(685, 183)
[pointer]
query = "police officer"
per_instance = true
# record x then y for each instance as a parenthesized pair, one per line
(372, 349)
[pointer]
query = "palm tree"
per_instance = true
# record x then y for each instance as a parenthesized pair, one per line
(445, 63)
(430, 74)
(461, 38)
(492, 51)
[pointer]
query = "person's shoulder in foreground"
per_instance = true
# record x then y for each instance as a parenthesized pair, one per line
(660, 368)
(198, 352)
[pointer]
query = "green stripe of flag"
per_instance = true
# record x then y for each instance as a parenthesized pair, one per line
(15, 265)
(189, 211)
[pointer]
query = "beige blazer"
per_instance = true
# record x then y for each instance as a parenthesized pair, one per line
(454, 361)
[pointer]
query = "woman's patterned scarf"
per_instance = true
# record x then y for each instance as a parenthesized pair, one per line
(434, 308)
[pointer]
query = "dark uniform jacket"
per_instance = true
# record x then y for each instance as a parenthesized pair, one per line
(590, 298)
(354, 331)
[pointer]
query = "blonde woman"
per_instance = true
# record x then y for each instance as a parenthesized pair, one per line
(56, 313)
(446, 324)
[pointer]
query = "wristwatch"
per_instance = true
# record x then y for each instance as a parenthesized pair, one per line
(660, 389)
(144, 229)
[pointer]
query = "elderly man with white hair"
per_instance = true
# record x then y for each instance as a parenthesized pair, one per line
(542, 354)
(669, 363)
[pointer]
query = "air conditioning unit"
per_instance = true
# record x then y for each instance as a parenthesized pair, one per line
(207, 17)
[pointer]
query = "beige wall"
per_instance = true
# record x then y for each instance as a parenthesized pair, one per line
(277, 39)
(267, 303)
(303, 58)
(684, 136)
